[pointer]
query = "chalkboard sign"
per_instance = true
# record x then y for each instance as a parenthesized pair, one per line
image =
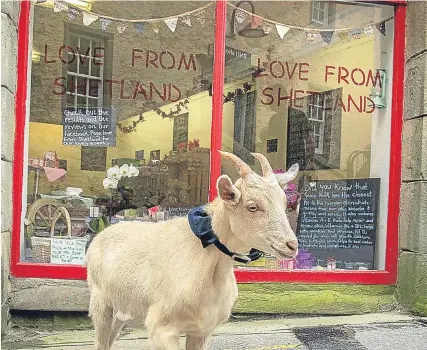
(68, 251)
(89, 127)
(338, 219)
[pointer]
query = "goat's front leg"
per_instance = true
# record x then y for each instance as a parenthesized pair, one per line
(165, 338)
(196, 343)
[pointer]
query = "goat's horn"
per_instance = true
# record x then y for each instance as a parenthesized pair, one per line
(267, 170)
(239, 164)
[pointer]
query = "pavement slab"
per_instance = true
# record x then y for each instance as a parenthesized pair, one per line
(386, 331)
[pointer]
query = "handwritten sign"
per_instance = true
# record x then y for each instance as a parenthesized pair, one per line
(68, 251)
(338, 219)
(89, 127)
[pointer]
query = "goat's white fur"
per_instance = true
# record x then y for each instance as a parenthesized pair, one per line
(159, 276)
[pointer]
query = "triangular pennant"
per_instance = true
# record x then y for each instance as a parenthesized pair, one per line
(267, 27)
(311, 36)
(89, 18)
(368, 30)
(171, 23)
(121, 26)
(139, 26)
(282, 30)
(327, 36)
(186, 19)
(72, 13)
(155, 26)
(200, 16)
(381, 28)
(59, 6)
(356, 33)
(343, 35)
(256, 22)
(241, 16)
(104, 23)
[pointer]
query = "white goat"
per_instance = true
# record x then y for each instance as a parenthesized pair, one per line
(160, 276)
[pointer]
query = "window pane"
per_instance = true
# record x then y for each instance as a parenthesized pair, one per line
(330, 126)
(139, 90)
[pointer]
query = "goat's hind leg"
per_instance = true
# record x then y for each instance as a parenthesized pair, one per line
(116, 327)
(196, 343)
(102, 318)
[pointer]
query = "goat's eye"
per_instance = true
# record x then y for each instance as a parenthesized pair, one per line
(252, 207)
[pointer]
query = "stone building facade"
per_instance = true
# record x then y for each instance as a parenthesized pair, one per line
(411, 291)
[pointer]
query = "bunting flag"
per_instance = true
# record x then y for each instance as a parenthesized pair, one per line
(104, 23)
(200, 16)
(139, 26)
(171, 23)
(368, 30)
(256, 22)
(72, 13)
(282, 30)
(311, 36)
(356, 33)
(343, 36)
(381, 28)
(267, 27)
(121, 26)
(186, 19)
(241, 16)
(155, 26)
(59, 6)
(89, 18)
(327, 36)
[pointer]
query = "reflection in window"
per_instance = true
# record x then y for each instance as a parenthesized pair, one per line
(244, 125)
(320, 12)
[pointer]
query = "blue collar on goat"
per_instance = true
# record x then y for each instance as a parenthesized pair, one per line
(201, 225)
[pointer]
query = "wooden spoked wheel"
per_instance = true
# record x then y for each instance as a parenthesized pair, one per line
(40, 217)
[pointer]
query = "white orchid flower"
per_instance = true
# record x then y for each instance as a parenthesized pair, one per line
(114, 173)
(124, 170)
(110, 183)
(133, 171)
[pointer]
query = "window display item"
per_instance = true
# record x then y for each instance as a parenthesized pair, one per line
(74, 191)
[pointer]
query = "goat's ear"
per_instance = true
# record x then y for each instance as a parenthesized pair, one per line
(227, 191)
(291, 174)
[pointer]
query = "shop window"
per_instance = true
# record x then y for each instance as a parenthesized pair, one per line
(307, 97)
(123, 106)
(320, 12)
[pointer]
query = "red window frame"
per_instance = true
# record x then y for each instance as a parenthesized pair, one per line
(387, 276)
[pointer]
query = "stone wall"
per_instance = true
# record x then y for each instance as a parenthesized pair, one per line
(412, 284)
(9, 21)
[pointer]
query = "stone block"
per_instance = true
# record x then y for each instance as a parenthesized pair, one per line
(413, 217)
(412, 282)
(5, 316)
(11, 8)
(9, 39)
(414, 149)
(49, 295)
(415, 104)
(416, 32)
(6, 196)
(7, 124)
(6, 287)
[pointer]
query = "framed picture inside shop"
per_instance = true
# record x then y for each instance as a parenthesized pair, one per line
(124, 115)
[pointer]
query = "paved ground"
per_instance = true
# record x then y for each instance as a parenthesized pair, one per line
(366, 332)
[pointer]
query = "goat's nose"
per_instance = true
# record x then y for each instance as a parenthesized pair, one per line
(292, 245)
